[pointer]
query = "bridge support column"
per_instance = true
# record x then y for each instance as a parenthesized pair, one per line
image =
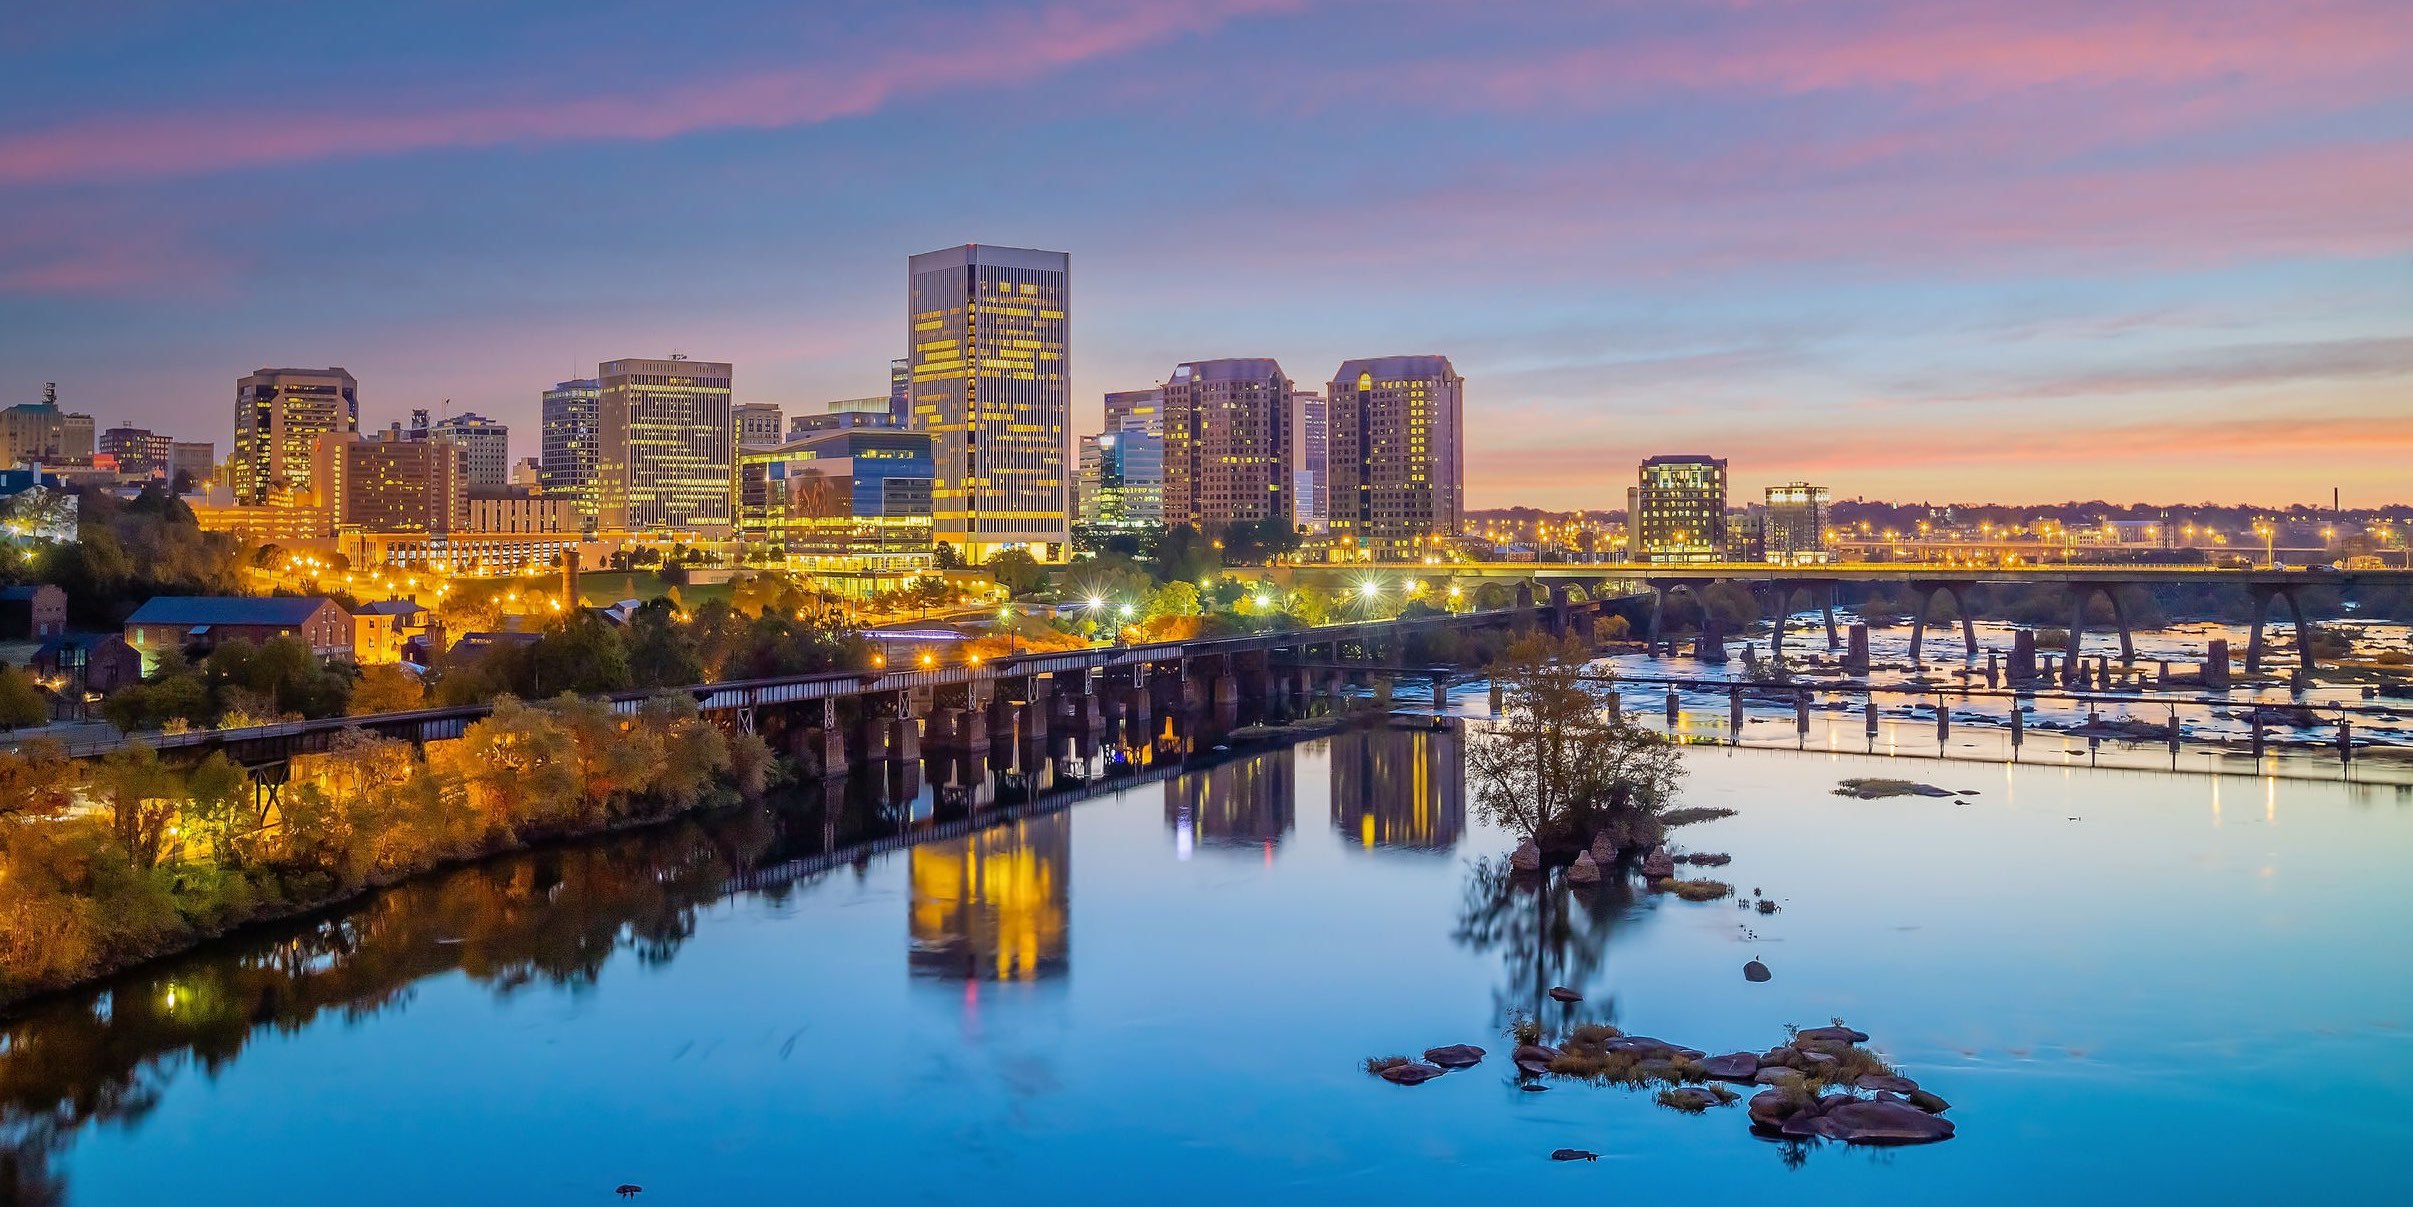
(906, 742)
(2073, 665)
(2216, 665)
(829, 742)
(1782, 594)
(1855, 656)
(1227, 690)
(1440, 693)
(1826, 608)
(2023, 656)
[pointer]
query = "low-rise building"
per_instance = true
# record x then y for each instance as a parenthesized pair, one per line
(79, 666)
(197, 624)
(381, 631)
(34, 612)
(852, 505)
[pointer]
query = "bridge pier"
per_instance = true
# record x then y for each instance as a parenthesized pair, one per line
(2079, 595)
(2262, 595)
(1927, 590)
(1855, 657)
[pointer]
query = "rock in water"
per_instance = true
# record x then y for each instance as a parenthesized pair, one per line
(1756, 972)
(1927, 1102)
(1861, 1122)
(1690, 1099)
(1585, 871)
(1658, 865)
(1573, 1154)
(1603, 851)
(1560, 993)
(1410, 1073)
(1881, 1081)
(1835, 1034)
(1528, 857)
(1455, 1056)
(1734, 1066)
(1771, 1108)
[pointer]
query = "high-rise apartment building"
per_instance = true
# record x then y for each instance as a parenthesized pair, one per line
(391, 483)
(1677, 511)
(1395, 456)
(1310, 475)
(1794, 531)
(488, 443)
(665, 445)
(1227, 443)
(279, 416)
(758, 425)
(1148, 406)
(568, 449)
(988, 329)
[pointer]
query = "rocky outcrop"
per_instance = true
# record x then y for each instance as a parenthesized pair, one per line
(1734, 1066)
(1528, 857)
(1584, 871)
(1756, 972)
(1658, 865)
(1560, 993)
(1410, 1073)
(1454, 1056)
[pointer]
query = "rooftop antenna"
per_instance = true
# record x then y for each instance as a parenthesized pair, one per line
(50, 393)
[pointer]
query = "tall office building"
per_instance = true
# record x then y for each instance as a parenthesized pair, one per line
(75, 437)
(1677, 511)
(1395, 456)
(1123, 477)
(900, 391)
(758, 425)
(279, 416)
(1310, 476)
(844, 502)
(841, 414)
(1794, 531)
(390, 482)
(192, 463)
(1148, 406)
(665, 445)
(988, 328)
(1227, 443)
(488, 443)
(568, 449)
(136, 450)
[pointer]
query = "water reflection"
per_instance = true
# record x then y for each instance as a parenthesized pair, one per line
(1545, 933)
(1248, 803)
(994, 905)
(1400, 788)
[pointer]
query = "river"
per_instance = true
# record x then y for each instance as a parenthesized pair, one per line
(2131, 983)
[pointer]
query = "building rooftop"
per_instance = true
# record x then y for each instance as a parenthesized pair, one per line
(1392, 367)
(227, 609)
(1233, 368)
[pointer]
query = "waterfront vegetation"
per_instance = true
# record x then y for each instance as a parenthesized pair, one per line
(1561, 768)
(111, 863)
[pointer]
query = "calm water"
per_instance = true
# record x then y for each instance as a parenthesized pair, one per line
(2132, 985)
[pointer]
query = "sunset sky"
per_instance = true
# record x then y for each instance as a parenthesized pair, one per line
(1919, 249)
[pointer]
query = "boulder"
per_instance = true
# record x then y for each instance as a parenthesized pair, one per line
(1814, 1060)
(1533, 1087)
(1734, 1066)
(1585, 870)
(1689, 1098)
(1867, 1122)
(1410, 1073)
(1756, 972)
(1603, 851)
(1528, 857)
(1533, 1058)
(1771, 1108)
(1649, 1049)
(1881, 1081)
(1454, 1056)
(1927, 1102)
(1560, 993)
(1573, 1154)
(1778, 1076)
(1658, 865)
(1838, 1034)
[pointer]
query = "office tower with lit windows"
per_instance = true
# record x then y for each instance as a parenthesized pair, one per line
(1147, 406)
(1395, 457)
(136, 450)
(75, 437)
(759, 425)
(1227, 444)
(1123, 477)
(1310, 479)
(391, 483)
(488, 443)
(191, 463)
(567, 454)
(1794, 529)
(665, 446)
(851, 502)
(279, 416)
(900, 392)
(990, 363)
(1677, 511)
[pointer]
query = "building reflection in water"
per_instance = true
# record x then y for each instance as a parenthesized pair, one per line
(995, 905)
(1250, 802)
(1400, 788)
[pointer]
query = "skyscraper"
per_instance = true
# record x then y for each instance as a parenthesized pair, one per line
(389, 483)
(758, 425)
(488, 443)
(900, 391)
(279, 416)
(1147, 405)
(1795, 531)
(1227, 443)
(1310, 473)
(137, 450)
(988, 328)
(665, 445)
(1677, 511)
(568, 449)
(1396, 459)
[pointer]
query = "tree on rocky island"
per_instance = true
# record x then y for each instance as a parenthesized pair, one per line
(1561, 767)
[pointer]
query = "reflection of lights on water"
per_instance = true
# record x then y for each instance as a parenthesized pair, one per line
(1185, 834)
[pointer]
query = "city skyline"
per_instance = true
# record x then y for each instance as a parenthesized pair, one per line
(1873, 246)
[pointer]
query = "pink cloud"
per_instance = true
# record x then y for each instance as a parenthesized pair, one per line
(1007, 50)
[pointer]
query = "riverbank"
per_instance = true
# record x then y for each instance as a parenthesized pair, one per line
(133, 861)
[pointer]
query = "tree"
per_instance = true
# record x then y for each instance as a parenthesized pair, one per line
(38, 780)
(1176, 598)
(142, 796)
(385, 689)
(945, 558)
(1184, 553)
(1559, 768)
(1017, 571)
(21, 699)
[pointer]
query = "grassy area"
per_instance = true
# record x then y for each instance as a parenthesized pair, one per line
(597, 588)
